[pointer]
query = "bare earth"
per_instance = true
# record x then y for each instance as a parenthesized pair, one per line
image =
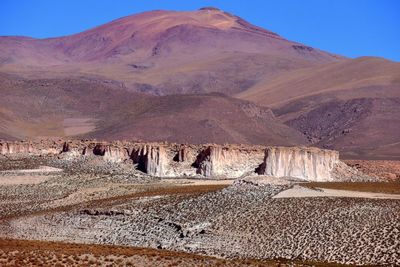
(75, 126)
(106, 214)
(386, 169)
(23, 179)
(42, 253)
(29, 176)
(299, 191)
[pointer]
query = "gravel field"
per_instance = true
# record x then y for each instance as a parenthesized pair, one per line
(88, 204)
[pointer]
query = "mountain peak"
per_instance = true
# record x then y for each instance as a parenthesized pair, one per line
(210, 8)
(140, 37)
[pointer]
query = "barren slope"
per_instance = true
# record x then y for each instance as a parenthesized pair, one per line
(197, 119)
(164, 52)
(55, 107)
(352, 105)
(102, 109)
(335, 77)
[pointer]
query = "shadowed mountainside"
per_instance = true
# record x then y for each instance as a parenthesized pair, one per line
(351, 106)
(106, 110)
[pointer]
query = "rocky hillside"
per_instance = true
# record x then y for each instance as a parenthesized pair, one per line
(351, 106)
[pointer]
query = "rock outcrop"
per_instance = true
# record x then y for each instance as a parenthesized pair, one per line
(220, 161)
(310, 164)
(111, 153)
(151, 159)
(30, 148)
(208, 160)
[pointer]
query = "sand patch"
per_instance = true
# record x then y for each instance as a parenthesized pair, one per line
(41, 169)
(75, 126)
(198, 181)
(299, 191)
(79, 196)
(23, 179)
(27, 176)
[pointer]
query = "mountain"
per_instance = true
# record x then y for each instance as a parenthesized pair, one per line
(351, 105)
(45, 108)
(164, 52)
(197, 76)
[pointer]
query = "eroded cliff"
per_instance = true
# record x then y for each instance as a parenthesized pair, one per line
(208, 160)
(311, 164)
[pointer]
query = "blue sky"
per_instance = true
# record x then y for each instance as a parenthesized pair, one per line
(348, 27)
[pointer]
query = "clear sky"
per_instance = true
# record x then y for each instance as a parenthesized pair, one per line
(348, 27)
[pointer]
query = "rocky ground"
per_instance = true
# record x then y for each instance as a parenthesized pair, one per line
(384, 169)
(78, 182)
(91, 202)
(42, 253)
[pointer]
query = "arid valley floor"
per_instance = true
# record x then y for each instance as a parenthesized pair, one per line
(63, 210)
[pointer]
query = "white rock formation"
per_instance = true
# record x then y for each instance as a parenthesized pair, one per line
(151, 159)
(311, 164)
(212, 161)
(26, 148)
(231, 162)
(155, 160)
(115, 154)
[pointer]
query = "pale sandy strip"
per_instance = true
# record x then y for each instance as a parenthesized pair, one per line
(299, 191)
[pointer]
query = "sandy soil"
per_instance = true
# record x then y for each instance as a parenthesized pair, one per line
(376, 187)
(199, 181)
(23, 179)
(27, 176)
(299, 191)
(75, 126)
(41, 169)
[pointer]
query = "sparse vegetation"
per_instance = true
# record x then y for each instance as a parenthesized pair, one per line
(240, 223)
(36, 253)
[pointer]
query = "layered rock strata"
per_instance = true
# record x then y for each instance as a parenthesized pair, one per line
(208, 160)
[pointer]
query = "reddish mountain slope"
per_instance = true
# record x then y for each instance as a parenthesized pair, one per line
(352, 105)
(95, 108)
(164, 52)
(197, 119)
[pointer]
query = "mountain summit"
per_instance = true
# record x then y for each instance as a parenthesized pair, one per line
(165, 52)
(155, 33)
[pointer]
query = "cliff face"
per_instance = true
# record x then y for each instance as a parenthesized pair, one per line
(150, 159)
(219, 161)
(111, 153)
(215, 161)
(304, 163)
(26, 148)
